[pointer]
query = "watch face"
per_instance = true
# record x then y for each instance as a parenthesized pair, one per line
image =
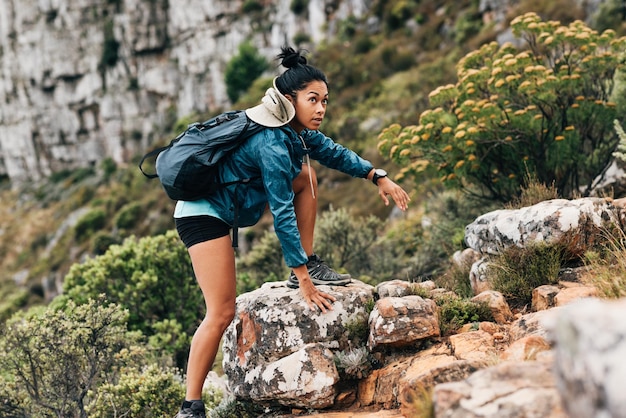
(380, 172)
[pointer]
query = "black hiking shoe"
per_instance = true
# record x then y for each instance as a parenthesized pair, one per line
(196, 410)
(320, 274)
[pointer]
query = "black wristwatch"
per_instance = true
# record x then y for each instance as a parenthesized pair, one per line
(378, 173)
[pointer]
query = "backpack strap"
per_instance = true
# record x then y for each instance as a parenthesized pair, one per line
(149, 155)
(157, 152)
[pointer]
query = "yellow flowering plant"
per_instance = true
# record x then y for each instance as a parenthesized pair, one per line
(543, 108)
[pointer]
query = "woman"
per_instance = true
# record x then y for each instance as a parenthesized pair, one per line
(277, 159)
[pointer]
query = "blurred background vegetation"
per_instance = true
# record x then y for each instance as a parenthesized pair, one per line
(401, 93)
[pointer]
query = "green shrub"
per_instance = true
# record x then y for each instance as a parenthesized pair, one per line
(92, 221)
(301, 38)
(251, 6)
(264, 263)
(101, 242)
(110, 48)
(151, 277)
(139, 392)
(298, 7)
(532, 192)
(454, 312)
(516, 271)
(129, 215)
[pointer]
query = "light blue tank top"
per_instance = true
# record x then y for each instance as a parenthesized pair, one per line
(194, 208)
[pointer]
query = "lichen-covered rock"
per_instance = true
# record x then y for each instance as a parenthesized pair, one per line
(578, 221)
(509, 389)
(400, 321)
(277, 347)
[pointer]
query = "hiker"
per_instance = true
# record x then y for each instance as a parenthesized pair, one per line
(277, 161)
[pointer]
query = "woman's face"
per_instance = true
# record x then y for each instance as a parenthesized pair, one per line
(310, 104)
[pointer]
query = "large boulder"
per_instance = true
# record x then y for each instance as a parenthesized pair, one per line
(578, 221)
(277, 349)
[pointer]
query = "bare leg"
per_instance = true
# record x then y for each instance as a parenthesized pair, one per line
(214, 265)
(305, 205)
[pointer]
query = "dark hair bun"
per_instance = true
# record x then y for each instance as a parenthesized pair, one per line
(290, 57)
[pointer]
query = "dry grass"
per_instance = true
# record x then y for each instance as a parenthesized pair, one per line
(607, 267)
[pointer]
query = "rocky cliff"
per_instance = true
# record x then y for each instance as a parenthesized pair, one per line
(86, 79)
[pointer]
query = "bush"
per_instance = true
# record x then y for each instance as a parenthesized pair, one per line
(264, 263)
(92, 221)
(129, 215)
(139, 392)
(454, 312)
(56, 356)
(516, 271)
(151, 277)
(545, 110)
(242, 70)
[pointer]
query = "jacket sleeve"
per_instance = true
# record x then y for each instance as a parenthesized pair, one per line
(335, 156)
(278, 171)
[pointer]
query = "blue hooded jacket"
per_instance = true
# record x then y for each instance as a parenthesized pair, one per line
(273, 159)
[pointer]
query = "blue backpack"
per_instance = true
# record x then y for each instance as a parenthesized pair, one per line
(187, 167)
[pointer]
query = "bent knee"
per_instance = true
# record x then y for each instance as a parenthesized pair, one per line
(220, 317)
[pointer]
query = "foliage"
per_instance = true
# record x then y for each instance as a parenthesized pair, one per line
(263, 263)
(92, 221)
(440, 231)
(532, 192)
(345, 241)
(129, 215)
(55, 357)
(456, 279)
(251, 6)
(110, 48)
(139, 392)
(243, 69)
(81, 361)
(607, 266)
(516, 271)
(298, 7)
(454, 312)
(232, 408)
(545, 109)
(152, 278)
(620, 152)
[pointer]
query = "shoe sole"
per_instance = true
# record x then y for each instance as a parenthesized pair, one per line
(296, 285)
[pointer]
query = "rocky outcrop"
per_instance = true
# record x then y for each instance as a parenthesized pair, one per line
(561, 359)
(578, 224)
(82, 80)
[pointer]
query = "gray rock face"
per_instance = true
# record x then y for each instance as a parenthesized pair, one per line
(81, 80)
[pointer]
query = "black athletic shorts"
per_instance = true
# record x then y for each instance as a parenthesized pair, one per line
(196, 229)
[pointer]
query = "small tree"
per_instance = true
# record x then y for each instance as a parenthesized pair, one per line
(81, 361)
(544, 110)
(57, 356)
(243, 69)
